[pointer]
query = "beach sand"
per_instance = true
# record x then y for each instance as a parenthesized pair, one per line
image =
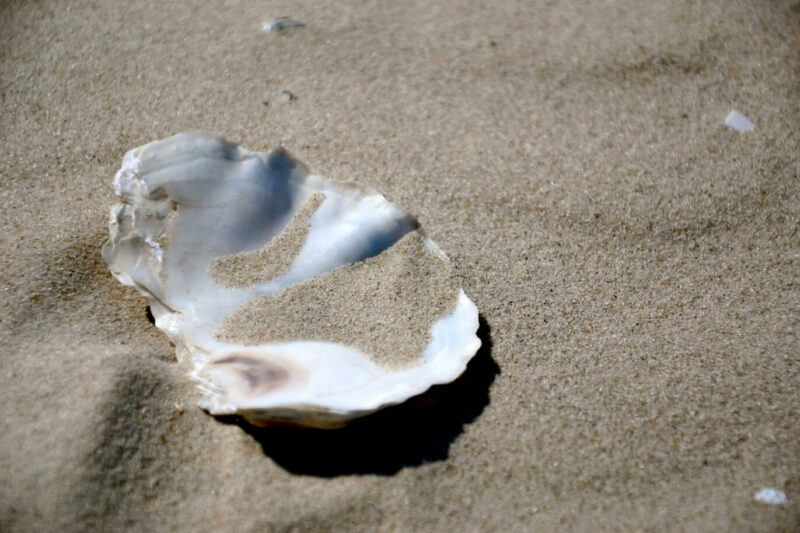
(636, 263)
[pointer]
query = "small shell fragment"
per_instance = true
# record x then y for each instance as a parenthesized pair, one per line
(285, 95)
(771, 496)
(737, 121)
(279, 24)
(295, 299)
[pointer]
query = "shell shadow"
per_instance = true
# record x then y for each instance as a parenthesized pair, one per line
(418, 431)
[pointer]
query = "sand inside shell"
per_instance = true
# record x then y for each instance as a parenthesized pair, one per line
(384, 306)
(273, 259)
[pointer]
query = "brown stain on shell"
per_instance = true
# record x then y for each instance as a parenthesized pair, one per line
(260, 375)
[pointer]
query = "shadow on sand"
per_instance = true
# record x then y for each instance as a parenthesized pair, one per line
(415, 432)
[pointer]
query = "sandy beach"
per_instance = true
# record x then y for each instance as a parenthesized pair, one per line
(636, 263)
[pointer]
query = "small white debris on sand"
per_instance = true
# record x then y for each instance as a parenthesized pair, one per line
(285, 95)
(279, 24)
(771, 496)
(738, 122)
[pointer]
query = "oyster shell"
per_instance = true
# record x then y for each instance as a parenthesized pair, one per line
(297, 300)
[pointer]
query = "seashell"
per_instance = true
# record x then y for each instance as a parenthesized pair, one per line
(295, 299)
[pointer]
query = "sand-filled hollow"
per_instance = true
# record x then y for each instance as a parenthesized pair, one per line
(273, 259)
(384, 306)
